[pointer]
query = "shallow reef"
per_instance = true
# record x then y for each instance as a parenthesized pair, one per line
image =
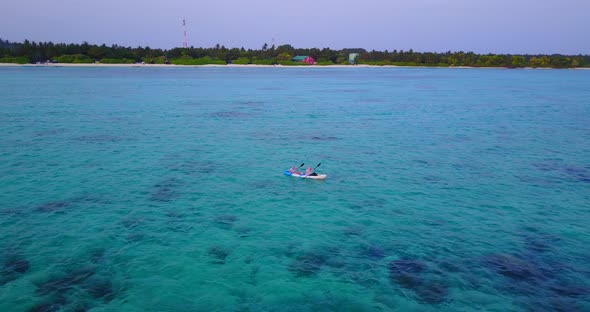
(13, 265)
(230, 114)
(409, 274)
(99, 138)
(166, 190)
(225, 220)
(573, 172)
(310, 262)
(373, 252)
(66, 291)
(539, 280)
(54, 206)
(218, 253)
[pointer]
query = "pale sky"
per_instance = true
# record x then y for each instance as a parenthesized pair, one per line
(494, 26)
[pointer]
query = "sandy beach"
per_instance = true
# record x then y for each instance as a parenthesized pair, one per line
(248, 66)
(172, 65)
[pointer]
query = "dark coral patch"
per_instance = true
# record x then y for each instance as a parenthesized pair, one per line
(251, 103)
(336, 262)
(48, 132)
(175, 214)
(353, 231)
(432, 292)
(407, 280)
(243, 231)
(308, 263)
(73, 284)
(218, 253)
(540, 243)
(54, 304)
(15, 263)
(58, 284)
(53, 206)
(408, 274)
(59, 206)
(165, 191)
(324, 138)
(131, 222)
(225, 220)
(7, 277)
(13, 266)
(90, 199)
(406, 266)
(98, 138)
(449, 266)
(374, 202)
(12, 212)
(513, 267)
(547, 165)
(134, 237)
(99, 288)
(163, 194)
(79, 306)
(230, 114)
(178, 223)
(19, 265)
(433, 179)
(551, 304)
(374, 252)
(172, 182)
(46, 306)
(571, 290)
(578, 173)
(97, 256)
(421, 161)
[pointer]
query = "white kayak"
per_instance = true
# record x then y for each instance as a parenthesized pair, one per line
(303, 176)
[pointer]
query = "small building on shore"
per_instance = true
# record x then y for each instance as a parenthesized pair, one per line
(303, 59)
(352, 58)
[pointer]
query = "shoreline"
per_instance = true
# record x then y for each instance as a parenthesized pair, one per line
(99, 65)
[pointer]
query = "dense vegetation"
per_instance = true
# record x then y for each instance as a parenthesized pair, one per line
(32, 52)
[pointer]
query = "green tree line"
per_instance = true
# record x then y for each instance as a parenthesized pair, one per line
(33, 52)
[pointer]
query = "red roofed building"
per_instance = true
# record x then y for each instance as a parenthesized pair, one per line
(305, 59)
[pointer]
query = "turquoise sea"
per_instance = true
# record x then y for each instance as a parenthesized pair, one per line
(162, 189)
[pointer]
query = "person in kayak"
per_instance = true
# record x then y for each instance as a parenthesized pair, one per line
(293, 170)
(308, 172)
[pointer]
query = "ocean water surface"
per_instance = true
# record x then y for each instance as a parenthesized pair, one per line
(162, 189)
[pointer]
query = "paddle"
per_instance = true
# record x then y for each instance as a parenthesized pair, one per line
(307, 175)
(299, 167)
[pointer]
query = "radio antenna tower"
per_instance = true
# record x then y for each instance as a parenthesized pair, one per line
(184, 42)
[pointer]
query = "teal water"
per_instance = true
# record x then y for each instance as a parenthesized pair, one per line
(138, 189)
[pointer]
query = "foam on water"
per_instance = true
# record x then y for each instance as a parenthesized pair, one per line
(162, 189)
